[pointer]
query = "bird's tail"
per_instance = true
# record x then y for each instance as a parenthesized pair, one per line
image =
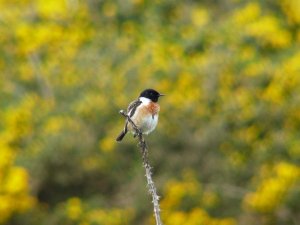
(121, 135)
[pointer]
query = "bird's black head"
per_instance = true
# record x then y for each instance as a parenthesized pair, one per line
(151, 94)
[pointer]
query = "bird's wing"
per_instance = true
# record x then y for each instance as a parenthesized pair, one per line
(132, 107)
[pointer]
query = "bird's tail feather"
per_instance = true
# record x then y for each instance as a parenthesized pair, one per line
(121, 135)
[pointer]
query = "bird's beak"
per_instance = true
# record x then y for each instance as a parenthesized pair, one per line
(161, 95)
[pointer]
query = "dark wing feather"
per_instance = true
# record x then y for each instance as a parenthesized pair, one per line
(132, 107)
(130, 111)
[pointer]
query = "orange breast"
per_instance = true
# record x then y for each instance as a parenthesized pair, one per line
(153, 108)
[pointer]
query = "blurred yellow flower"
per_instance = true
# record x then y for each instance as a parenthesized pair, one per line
(13, 186)
(287, 172)
(268, 31)
(256, 68)
(249, 13)
(176, 218)
(291, 9)
(19, 120)
(74, 208)
(177, 191)
(5, 207)
(289, 70)
(107, 144)
(52, 9)
(274, 92)
(58, 123)
(6, 157)
(110, 217)
(272, 191)
(16, 181)
(199, 17)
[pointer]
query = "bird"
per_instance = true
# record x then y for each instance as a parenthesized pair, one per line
(143, 112)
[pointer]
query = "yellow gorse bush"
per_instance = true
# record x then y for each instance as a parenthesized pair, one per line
(272, 191)
(291, 9)
(178, 193)
(77, 212)
(14, 185)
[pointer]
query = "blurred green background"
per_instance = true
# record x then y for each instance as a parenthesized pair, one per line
(226, 150)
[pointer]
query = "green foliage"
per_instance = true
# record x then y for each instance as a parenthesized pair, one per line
(226, 150)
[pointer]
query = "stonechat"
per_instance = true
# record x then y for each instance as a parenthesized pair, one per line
(143, 112)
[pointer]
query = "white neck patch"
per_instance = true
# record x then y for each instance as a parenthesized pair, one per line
(144, 100)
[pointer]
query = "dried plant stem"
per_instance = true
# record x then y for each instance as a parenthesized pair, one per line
(144, 151)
